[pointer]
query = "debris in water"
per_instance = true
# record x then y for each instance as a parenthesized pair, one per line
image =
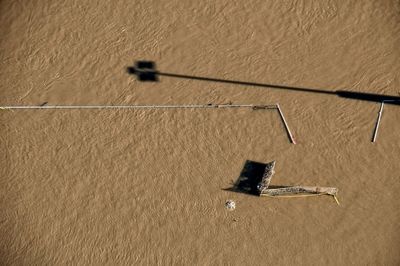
(230, 205)
(256, 177)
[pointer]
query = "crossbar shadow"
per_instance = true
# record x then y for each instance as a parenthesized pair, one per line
(146, 71)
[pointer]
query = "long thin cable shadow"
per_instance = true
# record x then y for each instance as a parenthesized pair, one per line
(271, 86)
(145, 71)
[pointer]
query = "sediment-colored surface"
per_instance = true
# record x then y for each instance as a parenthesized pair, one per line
(146, 186)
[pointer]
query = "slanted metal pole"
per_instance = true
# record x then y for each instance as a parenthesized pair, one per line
(378, 121)
(286, 125)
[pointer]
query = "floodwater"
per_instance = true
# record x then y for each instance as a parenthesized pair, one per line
(146, 187)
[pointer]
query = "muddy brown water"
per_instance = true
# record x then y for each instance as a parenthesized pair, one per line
(128, 187)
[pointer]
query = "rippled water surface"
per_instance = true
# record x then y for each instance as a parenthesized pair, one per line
(128, 187)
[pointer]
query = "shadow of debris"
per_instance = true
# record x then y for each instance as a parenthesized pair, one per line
(250, 177)
(146, 71)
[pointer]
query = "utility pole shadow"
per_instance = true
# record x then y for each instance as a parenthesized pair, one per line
(146, 71)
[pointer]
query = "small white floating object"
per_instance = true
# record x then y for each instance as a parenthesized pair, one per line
(230, 205)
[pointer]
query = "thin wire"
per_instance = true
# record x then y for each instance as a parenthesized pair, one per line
(204, 106)
(137, 106)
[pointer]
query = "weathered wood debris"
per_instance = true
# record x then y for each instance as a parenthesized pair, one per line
(265, 190)
(256, 177)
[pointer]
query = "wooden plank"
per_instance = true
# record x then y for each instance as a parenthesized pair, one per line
(298, 190)
(266, 178)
